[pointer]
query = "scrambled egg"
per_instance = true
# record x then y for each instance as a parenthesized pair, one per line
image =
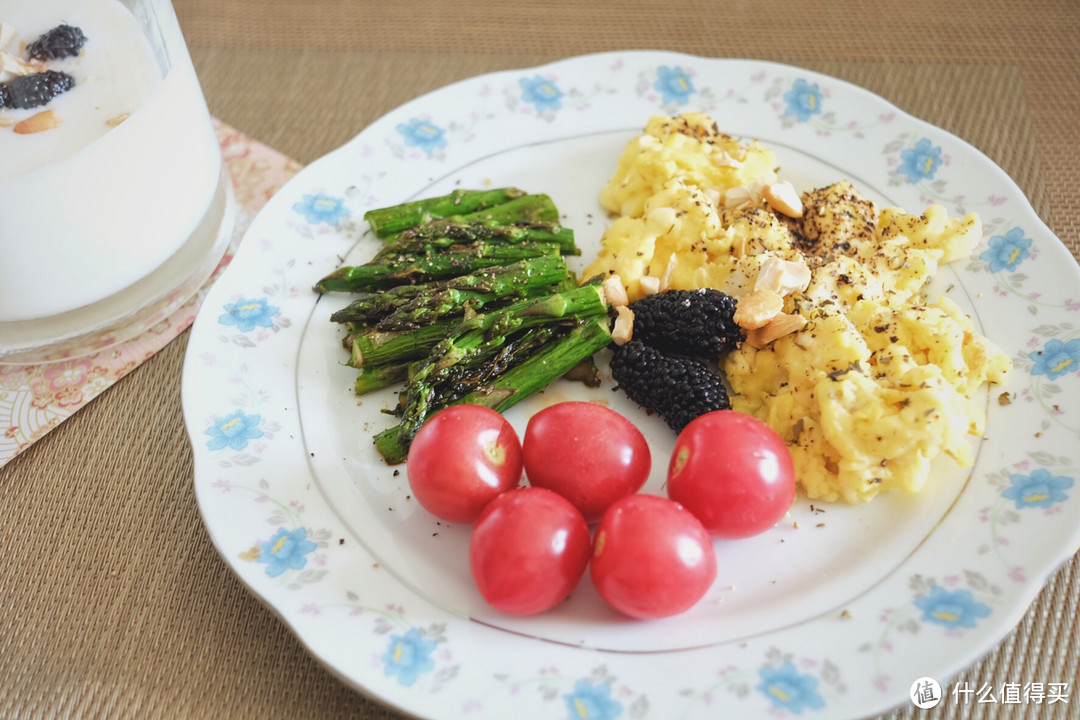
(873, 381)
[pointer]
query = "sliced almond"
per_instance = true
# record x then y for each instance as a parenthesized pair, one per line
(623, 330)
(669, 272)
(783, 198)
(615, 291)
(783, 277)
(782, 324)
(650, 284)
(744, 197)
(114, 121)
(769, 274)
(757, 309)
(795, 278)
(12, 66)
(44, 120)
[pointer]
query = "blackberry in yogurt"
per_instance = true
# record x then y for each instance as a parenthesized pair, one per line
(63, 41)
(34, 90)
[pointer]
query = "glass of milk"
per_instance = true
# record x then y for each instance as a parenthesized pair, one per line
(115, 207)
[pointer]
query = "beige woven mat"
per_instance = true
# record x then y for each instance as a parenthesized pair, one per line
(113, 603)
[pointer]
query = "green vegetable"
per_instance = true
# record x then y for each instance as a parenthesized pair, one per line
(375, 347)
(483, 333)
(527, 208)
(427, 238)
(426, 267)
(525, 379)
(396, 218)
(468, 300)
(377, 377)
(408, 306)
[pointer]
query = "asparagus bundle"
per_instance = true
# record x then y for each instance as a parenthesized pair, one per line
(481, 336)
(408, 306)
(550, 363)
(468, 300)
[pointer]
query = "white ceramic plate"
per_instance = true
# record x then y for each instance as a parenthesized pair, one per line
(839, 615)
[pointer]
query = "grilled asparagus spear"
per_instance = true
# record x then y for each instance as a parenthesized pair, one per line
(396, 218)
(409, 268)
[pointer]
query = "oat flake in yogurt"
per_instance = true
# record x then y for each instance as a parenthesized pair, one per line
(123, 173)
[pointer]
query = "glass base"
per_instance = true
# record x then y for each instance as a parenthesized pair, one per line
(133, 310)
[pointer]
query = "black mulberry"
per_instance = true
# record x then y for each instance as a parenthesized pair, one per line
(676, 387)
(31, 91)
(689, 322)
(60, 42)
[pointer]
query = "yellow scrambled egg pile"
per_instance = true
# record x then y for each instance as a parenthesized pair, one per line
(874, 381)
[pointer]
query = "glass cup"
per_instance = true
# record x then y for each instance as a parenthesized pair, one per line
(115, 206)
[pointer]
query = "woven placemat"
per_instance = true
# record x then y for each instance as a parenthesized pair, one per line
(113, 602)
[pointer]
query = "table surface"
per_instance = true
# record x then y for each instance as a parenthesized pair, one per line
(113, 602)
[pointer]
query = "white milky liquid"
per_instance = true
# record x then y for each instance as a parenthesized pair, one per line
(88, 208)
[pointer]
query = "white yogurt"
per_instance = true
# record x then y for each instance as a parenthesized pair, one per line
(88, 208)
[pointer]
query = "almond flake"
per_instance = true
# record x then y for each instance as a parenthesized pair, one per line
(745, 196)
(45, 120)
(650, 284)
(783, 198)
(12, 66)
(757, 309)
(669, 271)
(782, 324)
(114, 121)
(623, 329)
(615, 292)
(783, 277)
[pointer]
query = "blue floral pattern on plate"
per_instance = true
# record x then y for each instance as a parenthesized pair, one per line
(541, 92)
(674, 84)
(286, 550)
(1040, 489)
(408, 656)
(803, 100)
(952, 609)
(322, 208)
(592, 702)
(246, 314)
(1006, 252)
(920, 162)
(789, 689)
(233, 431)
(422, 134)
(1056, 358)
